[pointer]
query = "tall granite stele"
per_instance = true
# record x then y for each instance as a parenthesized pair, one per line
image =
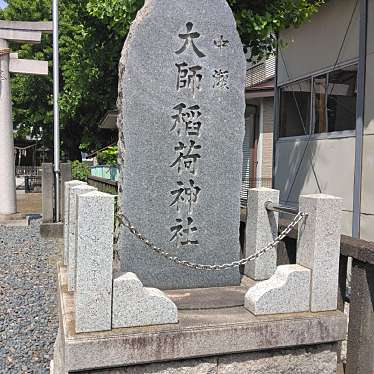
(181, 123)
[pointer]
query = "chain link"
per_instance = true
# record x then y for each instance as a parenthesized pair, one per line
(125, 222)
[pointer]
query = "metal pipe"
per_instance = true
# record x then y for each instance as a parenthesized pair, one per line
(360, 112)
(56, 112)
(281, 208)
(276, 123)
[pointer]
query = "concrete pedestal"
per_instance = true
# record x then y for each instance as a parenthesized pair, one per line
(218, 340)
(7, 168)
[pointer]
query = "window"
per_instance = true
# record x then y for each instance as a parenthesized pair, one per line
(295, 109)
(334, 104)
(341, 101)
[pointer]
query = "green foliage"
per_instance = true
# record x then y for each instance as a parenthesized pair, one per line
(259, 22)
(80, 171)
(108, 157)
(92, 33)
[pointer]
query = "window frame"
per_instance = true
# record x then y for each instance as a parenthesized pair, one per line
(312, 117)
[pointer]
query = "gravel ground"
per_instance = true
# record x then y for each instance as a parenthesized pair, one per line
(28, 312)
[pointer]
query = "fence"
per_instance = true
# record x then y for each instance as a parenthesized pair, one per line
(103, 185)
(105, 172)
(28, 170)
(360, 347)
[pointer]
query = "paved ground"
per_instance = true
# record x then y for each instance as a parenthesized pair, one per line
(29, 202)
(28, 321)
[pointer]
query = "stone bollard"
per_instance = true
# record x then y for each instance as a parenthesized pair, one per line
(68, 186)
(66, 176)
(93, 289)
(318, 247)
(261, 229)
(47, 192)
(74, 192)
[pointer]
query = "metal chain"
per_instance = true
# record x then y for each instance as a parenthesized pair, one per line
(125, 222)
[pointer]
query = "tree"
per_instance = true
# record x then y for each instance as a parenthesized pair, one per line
(92, 33)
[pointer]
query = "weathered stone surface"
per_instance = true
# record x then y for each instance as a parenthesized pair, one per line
(361, 326)
(198, 366)
(93, 290)
(312, 360)
(287, 291)
(181, 172)
(200, 333)
(66, 176)
(135, 305)
(261, 229)
(74, 192)
(47, 192)
(68, 186)
(319, 247)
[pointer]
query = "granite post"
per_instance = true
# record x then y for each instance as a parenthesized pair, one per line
(318, 247)
(93, 289)
(73, 216)
(67, 213)
(181, 172)
(47, 192)
(261, 229)
(66, 176)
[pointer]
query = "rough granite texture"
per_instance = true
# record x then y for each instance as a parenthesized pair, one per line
(74, 192)
(287, 291)
(47, 192)
(181, 141)
(93, 291)
(319, 247)
(68, 185)
(261, 229)
(135, 305)
(311, 360)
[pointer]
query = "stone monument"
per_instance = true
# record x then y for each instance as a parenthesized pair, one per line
(181, 100)
(18, 32)
(181, 123)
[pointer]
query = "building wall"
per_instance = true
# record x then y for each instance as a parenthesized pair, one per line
(315, 45)
(333, 165)
(267, 145)
(367, 201)
(312, 48)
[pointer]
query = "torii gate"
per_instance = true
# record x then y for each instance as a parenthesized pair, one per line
(19, 32)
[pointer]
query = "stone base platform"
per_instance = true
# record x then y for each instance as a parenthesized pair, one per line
(208, 341)
(17, 219)
(52, 230)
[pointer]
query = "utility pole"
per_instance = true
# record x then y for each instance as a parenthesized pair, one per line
(56, 112)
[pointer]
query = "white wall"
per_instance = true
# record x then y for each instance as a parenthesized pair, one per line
(367, 202)
(315, 45)
(333, 164)
(312, 48)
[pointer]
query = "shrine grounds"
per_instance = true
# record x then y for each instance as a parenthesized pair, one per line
(28, 311)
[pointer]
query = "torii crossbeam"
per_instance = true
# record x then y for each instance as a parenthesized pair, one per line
(19, 32)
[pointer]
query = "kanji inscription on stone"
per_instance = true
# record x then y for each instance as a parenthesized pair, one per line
(181, 135)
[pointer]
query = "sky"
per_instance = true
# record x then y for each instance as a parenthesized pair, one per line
(2, 4)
